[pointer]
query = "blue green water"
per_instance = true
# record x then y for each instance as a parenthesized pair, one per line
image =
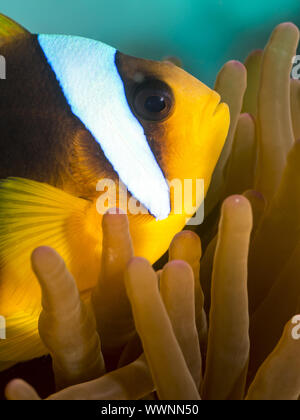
(204, 34)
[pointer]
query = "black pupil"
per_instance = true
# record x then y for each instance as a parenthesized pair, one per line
(155, 103)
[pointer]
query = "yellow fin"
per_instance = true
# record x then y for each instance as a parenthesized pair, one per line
(10, 29)
(33, 214)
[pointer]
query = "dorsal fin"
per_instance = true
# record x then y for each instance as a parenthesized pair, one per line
(10, 30)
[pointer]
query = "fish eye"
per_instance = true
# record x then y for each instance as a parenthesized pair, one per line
(153, 100)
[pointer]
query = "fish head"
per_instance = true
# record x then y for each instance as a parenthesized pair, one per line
(153, 122)
(183, 120)
(185, 126)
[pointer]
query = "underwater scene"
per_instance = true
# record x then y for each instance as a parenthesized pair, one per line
(149, 203)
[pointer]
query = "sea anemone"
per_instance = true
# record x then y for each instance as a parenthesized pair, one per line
(145, 334)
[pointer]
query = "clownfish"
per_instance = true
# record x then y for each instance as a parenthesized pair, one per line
(74, 111)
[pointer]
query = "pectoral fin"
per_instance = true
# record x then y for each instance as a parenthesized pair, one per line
(34, 214)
